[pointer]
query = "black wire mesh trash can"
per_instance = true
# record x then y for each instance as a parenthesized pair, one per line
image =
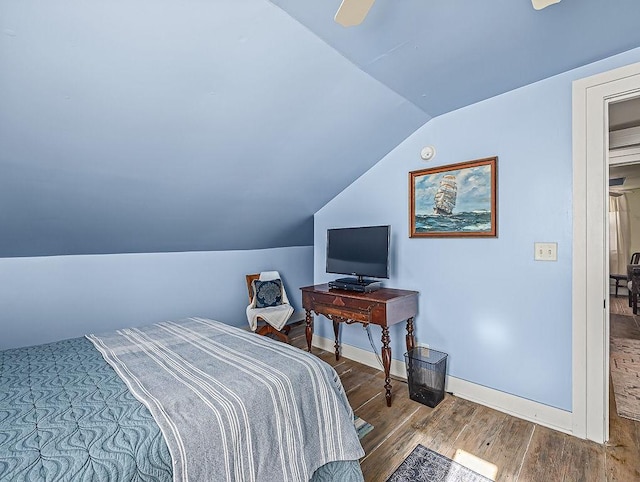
(426, 370)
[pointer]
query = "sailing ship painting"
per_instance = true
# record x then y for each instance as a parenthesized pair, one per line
(455, 200)
(445, 198)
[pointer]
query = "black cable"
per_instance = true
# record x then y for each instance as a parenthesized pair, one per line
(375, 350)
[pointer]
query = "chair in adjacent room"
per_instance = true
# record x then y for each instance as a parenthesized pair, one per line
(634, 286)
(624, 278)
(269, 308)
(633, 274)
(634, 261)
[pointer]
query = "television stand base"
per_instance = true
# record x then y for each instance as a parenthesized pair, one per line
(353, 284)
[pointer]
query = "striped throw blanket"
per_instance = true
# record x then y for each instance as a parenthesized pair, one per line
(233, 405)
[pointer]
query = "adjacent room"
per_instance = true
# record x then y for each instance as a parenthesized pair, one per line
(325, 240)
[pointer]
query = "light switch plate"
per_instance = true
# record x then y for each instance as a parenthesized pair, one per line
(545, 251)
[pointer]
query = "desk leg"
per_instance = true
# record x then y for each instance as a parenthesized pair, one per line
(386, 361)
(336, 332)
(411, 340)
(309, 329)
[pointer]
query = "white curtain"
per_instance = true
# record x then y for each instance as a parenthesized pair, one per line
(619, 234)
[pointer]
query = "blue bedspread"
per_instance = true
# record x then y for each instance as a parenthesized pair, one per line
(66, 415)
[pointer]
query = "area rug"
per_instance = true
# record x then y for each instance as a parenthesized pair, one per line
(625, 376)
(425, 465)
(362, 427)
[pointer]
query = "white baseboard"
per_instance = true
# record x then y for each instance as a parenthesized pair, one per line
(523, 408)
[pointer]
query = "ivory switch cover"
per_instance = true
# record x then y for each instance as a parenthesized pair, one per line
(545, 251)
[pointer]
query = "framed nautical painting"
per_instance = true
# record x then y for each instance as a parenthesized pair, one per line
(458, 200)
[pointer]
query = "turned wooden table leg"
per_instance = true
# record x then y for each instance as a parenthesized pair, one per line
(386, 361)
(411, 340)
(336, 332)
(309, 329)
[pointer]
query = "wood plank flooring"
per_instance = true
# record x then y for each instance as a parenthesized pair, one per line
(522, 451)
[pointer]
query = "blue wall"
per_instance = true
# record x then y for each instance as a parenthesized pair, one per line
(504, 319)
(51, 298)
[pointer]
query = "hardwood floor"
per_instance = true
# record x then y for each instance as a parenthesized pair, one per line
(522, 451)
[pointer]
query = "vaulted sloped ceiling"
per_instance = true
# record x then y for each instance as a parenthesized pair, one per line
(147, 126)
(446, 54)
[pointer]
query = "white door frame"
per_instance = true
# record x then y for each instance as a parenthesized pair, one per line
(590, 292)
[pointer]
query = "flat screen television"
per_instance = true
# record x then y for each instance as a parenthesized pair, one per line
(361, 252)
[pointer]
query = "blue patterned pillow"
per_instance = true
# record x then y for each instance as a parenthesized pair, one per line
(268, 293)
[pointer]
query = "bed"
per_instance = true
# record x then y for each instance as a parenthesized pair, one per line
(176, 401)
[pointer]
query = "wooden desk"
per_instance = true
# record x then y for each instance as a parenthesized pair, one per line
(384, 307)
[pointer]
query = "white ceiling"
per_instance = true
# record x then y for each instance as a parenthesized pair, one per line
(631, 175)
(624, 114)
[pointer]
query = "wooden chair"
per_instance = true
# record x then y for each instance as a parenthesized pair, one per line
(634, 261)
(265, 328)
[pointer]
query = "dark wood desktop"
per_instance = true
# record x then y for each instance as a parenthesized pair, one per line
(383, 307)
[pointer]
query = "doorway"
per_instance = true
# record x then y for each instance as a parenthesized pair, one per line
(590, 278)
(624, 191)
(623, 226)
(624, 240)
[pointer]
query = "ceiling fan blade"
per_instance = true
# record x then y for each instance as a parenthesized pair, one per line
(540, 4)
(352, 12)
